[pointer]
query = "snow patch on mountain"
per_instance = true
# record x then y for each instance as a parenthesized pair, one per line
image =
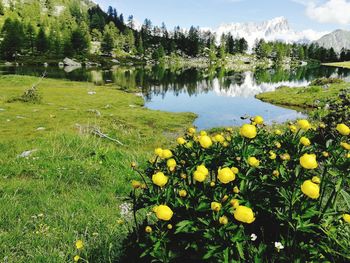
(276, 29)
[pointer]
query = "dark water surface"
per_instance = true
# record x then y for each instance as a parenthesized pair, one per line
(217, 96)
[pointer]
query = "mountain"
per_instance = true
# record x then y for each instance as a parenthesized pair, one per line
(271, 30)
(338, 39)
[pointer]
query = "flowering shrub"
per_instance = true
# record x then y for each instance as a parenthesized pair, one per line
(252, 196)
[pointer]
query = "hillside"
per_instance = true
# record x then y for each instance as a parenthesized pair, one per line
(337, 40)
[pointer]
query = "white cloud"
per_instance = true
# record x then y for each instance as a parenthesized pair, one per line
(330, 11)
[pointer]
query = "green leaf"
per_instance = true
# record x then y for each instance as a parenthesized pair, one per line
(240, 250)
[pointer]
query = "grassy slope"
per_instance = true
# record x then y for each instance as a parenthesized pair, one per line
(66, 190)
(303, 97)
(345, 64)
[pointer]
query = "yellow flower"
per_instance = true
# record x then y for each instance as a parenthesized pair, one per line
(205, 141)
(345, 145)
(215, 206)
(258, 120)
(202, 133)
(244, 214)
(171, 163)
(181, 140)
(276, 173)
(304, 124)
(305, 141)
(79, 244)
(308, 161)
(325, 154)
(252, 161)
(135, 184)
(343, 129)
(148, 229)
(182, 193)
(191, 130)
(310, 189)
(234, 203)
(234, 170)
(158, 151)
(159, 179)
(293, 128)
(278, 145)
(346, 218)
(248, 131)
(223, 220)
(236, 190)
(219, 138)
(76, 258)
(163, 212)
(203, 169)
(169, 226)
(348, 155)
(285, 157)
(225, 175)
(166, 154)
(316, 180)
(199, 176)
(272, 155)
(212, 184)
(278, 132)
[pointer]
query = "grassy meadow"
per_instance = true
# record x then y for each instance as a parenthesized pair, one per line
(345, 64)
(70, 187)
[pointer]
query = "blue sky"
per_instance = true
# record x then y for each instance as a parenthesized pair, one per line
(320, 15)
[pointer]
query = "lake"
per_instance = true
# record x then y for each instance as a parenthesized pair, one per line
(219, 97)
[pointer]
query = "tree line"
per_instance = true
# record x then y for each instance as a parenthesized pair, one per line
(50, 29)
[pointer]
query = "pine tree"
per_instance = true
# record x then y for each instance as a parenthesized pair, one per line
(42, 42)
(12, 43)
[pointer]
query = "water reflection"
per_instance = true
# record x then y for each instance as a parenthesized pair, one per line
(219, 97)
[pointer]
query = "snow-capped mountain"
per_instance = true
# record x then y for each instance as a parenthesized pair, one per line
(271, 30)
(338, 39)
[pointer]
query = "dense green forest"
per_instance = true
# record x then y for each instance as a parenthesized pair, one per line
(57, 28)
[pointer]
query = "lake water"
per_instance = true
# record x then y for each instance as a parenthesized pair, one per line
(217, 96)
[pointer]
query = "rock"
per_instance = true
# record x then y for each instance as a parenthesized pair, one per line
(1, 109)
(41, 129)
(98, 113)
(20, 117)
(60, 64)
(71, 63)
(91, 92)
(46, 64)
(8, 63)
(92, 64)
(26, 154)
(69, 69)
(326, 86)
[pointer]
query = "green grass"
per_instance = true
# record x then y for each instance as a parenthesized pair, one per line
(72, 186)
(302, 97)
(345, 64)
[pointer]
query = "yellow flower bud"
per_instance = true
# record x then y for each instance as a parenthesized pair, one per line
(79, 244)
(272, 155)
(171, 163)
(308, 161)
(76, 258)
(169, 226)
(343, 129)
(191, 130)
(285, 157)
(345, 145)
(223, 220)
(293, 128)
(244, 214)
(225, 175)
(258, 120)
(310, 189)
(215, 206)
(224, 199)
(180, 140)
(316, 180)
(305, 141)
(166, 154)
(248, 131)
(276, 173)
(278, 145)
(163, 212)
(252, 161)
(135, 184)
(205, 141)
(304, 124)
(236, 190)
(322, 125)
(234, 170)
(219, 138)
(212, 184)
(182, 193)
(325, 154)
(234, 203)
(278, 132)
(148, 229)
(183, 176)
(189, 145)
(346, 218)
(158, 151)
(159, 179)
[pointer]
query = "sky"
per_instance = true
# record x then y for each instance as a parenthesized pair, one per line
(320, 15)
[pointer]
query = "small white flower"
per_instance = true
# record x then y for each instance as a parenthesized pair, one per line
(125, 210)
(253, 237)
(279, 246)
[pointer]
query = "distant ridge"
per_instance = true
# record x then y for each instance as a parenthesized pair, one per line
(337, 40)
